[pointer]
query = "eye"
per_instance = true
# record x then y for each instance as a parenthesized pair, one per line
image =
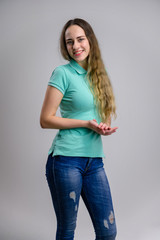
(81, 39)
(69, 42)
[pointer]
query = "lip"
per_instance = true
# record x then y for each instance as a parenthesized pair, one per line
(78, 53)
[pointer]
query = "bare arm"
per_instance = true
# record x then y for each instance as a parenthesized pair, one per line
(48, 118)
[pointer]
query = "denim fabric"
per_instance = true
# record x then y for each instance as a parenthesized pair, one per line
(69, 178)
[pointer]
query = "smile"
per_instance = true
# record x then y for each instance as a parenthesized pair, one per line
(78, 53)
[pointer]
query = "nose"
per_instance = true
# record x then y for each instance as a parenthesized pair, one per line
(75, 45)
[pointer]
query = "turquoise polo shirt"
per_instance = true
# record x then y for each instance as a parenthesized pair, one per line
(77, 103)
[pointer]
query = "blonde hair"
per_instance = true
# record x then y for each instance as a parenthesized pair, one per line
(99, 81)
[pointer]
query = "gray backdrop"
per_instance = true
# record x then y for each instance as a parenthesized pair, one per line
(129, 37)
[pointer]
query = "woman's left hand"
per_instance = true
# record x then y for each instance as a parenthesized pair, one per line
(105, 129)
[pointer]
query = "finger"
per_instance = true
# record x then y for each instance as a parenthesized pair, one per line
(100, 125)
(115, 128)
(112, 130)
(103, 125)
(102, 132)
(107, 127)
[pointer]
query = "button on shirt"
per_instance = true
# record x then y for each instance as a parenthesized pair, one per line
(77, 103)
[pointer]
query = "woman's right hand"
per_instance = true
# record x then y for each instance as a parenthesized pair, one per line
(101, 128)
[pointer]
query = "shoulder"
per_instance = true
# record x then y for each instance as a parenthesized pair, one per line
(58, 70)
(60, 79)
(63, 70)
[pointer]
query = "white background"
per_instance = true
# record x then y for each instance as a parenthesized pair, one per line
(129, 35)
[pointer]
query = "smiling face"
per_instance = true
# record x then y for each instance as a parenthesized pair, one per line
(77, 44)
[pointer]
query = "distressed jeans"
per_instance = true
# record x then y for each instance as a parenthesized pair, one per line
(69, 178)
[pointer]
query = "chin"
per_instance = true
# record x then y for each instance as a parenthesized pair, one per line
(80, 59)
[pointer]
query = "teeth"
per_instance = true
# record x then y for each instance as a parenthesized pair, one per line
(77, 52)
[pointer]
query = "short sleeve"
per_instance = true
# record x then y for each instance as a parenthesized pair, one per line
(58, 79)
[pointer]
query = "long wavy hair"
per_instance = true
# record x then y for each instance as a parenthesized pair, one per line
(97, 76)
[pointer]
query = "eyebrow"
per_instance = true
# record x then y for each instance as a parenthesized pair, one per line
(71, 38)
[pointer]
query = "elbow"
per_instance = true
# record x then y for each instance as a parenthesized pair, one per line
(42, 124)
(46, 122)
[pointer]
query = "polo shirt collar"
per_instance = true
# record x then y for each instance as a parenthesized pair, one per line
(77, 67)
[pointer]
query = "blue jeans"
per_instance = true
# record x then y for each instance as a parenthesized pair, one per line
(71, 177)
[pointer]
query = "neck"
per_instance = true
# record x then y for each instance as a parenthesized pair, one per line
(83, 64)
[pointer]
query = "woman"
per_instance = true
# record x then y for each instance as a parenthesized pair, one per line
(74, 166)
